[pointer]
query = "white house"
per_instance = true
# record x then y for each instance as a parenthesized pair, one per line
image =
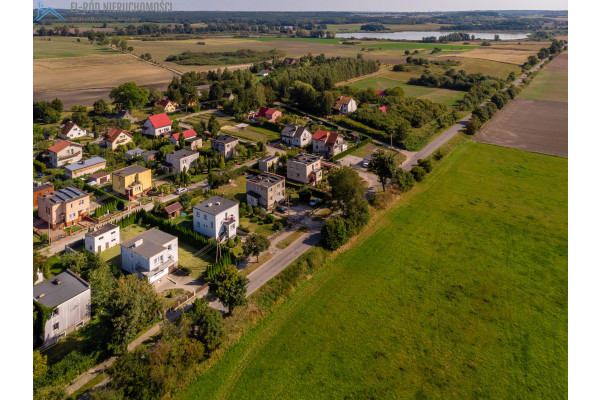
(157, 125)
(217, 218)
(345, 105)
(151, 255)
(70, 298)
(102, 239)
(296, 135)
(72, 131)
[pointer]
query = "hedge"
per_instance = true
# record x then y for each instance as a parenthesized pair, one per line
(316, 192)
(350, 150)
(121, 204)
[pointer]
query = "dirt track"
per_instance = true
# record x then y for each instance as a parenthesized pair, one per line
(533, 125)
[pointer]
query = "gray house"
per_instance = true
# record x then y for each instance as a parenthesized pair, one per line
(70, 296)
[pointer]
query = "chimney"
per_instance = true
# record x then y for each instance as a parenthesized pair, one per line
(56, 282)
(138, 243)
(41, 295)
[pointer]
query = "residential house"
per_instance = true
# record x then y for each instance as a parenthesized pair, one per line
(270, 114)
(195, 142)
(168, 105)
(132, 182)
(124, 114)
(381, 93)
(188, 134)
(63, 152)
(264, 72)
(268, 163)
(99, 178)
(291, 61)
(64, 206)
(225, 144)
(228, 96)
(182, 159)
(345, 105)
(41, 190)
(69, 296)
(173, 210)
(305, 168)
(217, 218)
(383, 109)
(296, 135)
(265, 190)
(328, 143)
(149, 155)
(115, 137)
(151, 255)
(157, 125)
(201, 89)
(85, 167)
(102, 239)
(134, 153)
(72, 131)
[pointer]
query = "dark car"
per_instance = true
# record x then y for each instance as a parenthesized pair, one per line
(281, 209)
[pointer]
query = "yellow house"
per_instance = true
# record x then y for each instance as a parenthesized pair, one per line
(168, 105)
(132, 182)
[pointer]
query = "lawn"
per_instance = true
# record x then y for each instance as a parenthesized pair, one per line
(548, 85)
(254, 133)
(291, 238)
(458, 292)
(369, 148)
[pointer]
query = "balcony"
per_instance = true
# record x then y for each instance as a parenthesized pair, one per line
(69, 156)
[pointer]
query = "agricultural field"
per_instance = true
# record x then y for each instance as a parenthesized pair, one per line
(485, 67)
(459, 291)
(551, 83)
(66, 47)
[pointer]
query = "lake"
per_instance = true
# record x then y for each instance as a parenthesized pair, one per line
(418, 35)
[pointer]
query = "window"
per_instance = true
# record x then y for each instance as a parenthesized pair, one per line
(101, 237)
(54, 313)
(113, 232)
(211, 224)
(204, 216)
(55, 326)
(71, 205)
(170, 247)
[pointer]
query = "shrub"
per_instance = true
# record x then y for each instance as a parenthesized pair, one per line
(334, 233)
(254, 219)
(238, 240)
(277, 226)
(305, 194)
(438, 155)
(426, 164)
(256, 210)
(404, 179)
(270, 218)
(473, 126)
(418, 173)
(230, 243)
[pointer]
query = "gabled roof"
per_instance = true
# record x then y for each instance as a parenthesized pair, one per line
(173, 207)
(329, 138)
(61, 145)
(341, 101)
(132, 169)
(61, 288)
(190, 133)
(85, 163)
(113, 133)
(293, 131)
(135, 152)
(103, 230)
(65, 195)
(160, 120)
(266, 112)
(165, 102)
(68, 126)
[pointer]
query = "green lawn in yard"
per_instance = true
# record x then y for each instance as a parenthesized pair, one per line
(113, 255)
(459, 293)
(254, 227)
(197, 265)
(236, 188)
(370, 148)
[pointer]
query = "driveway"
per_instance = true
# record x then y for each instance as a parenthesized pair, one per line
(356, 162)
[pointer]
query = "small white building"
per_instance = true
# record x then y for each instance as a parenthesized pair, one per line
(72, 131)
(296, 135)
(157, 125)
(151, 255)
(217, 218)
(102, 239)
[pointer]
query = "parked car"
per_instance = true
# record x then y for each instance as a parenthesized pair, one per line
(281, 209)
(180, 190)
(314, 202)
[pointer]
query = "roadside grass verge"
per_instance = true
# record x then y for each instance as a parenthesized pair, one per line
(459, 291)
(292, 238)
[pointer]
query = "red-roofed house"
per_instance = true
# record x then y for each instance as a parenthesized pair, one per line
(157, 125)
(190, 133)
(381, 93)
(63, 152)
(72, 131)
(168, 105)
(383, 109)
(270, 114)
(114, 137)
(328, 143)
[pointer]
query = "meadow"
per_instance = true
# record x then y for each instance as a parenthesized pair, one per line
(551, 83)
(61, 47)
(458, 292)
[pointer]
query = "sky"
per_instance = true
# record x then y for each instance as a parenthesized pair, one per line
(347, 5)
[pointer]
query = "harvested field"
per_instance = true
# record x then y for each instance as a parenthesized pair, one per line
(560, 64)
(511, 56)
(486, 67)
(551, 83)
(97, 71)
(533, 125)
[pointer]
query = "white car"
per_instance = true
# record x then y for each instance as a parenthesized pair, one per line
(181, 190)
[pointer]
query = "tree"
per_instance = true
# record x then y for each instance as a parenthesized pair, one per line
(382, 164)
(100, 107)
(40, 364)
(123, 123)
(213, 125)
(186, 200)
(207, 324)
(404, 179)
(334, 233)
(181, 140)
(473, 126)
(128, 96)
(103, 283)
(255, 244)
(154, 95)
(131, 306)
(426, 164)
(346, 185)
(229, 287)
(418, 172)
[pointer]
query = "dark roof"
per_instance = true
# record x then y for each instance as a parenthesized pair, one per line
(103, 230)
(85, 163)
(269, 158)
(215, 205)
(55, 294)
(226, 139)
(135, 152)
(68, 194)
(132, 169)
(293, 130)
(266, 179)
(306, 158)
(43, 187)
(149, 243)
(68, 126)
(98, 175)
(173, 207)
(183, 153)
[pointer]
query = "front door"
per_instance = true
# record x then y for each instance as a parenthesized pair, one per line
(99, 248)
(106, 245)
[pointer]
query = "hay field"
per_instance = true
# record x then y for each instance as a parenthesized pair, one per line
(501, 55)
(61, 74)
(59, 47)
(551, 83)
(486, 67)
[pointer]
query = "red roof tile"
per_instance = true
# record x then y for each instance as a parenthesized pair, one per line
(383, 108)
(159, 120)
(186, 134)
(113, 133)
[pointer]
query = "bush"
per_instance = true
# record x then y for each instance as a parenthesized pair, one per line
(277, 226)
(473, 126)
(438, 155)
(270, 218)
(238, 240)
(404, 179)
(305, 194)
(256, 210)
(418, 173)
(230, 243)
(334, 233)
(426, 164)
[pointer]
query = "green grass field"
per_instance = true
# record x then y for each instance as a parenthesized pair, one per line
(548, 85)
(60, 47)
(419, 45)
(459, 292)
(309, 40)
